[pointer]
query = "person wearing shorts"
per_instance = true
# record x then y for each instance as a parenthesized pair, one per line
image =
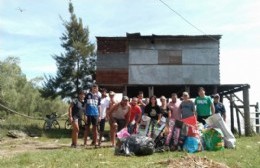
(112, 103)
(92, 112)
(121, 115)
(104, 105)
(75, 112)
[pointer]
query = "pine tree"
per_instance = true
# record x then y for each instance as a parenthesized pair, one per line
(76, 66)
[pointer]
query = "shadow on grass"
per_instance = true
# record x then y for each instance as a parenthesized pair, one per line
(32, 130)
(66, 133)
(36, 130)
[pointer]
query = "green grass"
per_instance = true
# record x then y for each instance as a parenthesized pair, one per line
(246, 154)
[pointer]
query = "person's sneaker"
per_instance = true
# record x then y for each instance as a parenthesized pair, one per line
(166, 148)
(92, 143)
(73, 146)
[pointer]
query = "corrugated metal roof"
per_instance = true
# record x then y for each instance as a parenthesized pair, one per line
(138, 36)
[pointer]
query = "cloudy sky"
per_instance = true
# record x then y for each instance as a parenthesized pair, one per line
(30, 30)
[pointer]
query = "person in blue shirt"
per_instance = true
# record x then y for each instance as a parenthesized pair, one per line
(92, 100)
(219, 107)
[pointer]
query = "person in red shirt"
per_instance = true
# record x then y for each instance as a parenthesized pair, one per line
(135, 116)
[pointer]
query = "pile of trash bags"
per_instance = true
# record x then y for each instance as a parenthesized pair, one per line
(182, 135)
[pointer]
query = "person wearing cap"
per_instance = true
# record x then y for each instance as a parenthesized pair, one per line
(219, 107)
(187, 106)
(76, 109)
(104, 105)
(120, 114)
(92, 113)
(204, 106)
(135, 116)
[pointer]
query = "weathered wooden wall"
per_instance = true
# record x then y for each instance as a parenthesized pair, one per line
(112, 61)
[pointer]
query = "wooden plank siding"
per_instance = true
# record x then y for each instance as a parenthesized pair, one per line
(112, 76)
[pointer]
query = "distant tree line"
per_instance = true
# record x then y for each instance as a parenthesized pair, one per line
(24, 96)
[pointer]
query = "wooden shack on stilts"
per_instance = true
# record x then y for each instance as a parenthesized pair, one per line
(160, 65)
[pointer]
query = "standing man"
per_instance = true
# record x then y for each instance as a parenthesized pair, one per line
(75, 112)
(204, 106)
(104, 104)
(92, 113)
(135, 116)
(120, 114)
(112, 103)
(219, 107)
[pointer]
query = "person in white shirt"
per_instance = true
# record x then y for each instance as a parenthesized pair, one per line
(104, 104)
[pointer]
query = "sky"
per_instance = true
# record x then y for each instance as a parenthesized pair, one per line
(31, 30)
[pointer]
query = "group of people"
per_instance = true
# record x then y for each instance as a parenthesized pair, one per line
(101, 107)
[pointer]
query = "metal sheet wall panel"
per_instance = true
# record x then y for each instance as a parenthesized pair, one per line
(173, 57)
(208, 56)
(142, 56)
(173, 45)
(177, 74)
(200, 74)
(148, 74)
(112, 60)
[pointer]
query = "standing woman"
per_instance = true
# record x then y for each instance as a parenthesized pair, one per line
(75, 112)
(187, 106)
(153, 111)
(164, 108)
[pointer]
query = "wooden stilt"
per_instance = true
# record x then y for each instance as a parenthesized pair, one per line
(247, 112)
(232, 114)
(238, 122)
(257, 118)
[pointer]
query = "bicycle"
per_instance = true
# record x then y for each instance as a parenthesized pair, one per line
(51, 122)
(69, 126)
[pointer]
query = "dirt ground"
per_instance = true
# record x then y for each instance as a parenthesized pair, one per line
(191, 161)
(9, 147)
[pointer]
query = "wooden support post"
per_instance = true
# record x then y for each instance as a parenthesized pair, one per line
(187, 89)
(150, 91)
(246, 112)
(215, 90)
(238, 122)
(257, 118)
(125, 91)
(232, 114)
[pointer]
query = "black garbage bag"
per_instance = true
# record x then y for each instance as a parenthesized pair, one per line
(135, 145)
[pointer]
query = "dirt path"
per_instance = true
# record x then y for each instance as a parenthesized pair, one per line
(10, 146)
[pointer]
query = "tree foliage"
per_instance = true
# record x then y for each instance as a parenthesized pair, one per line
(23, 96)
(76, 66)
